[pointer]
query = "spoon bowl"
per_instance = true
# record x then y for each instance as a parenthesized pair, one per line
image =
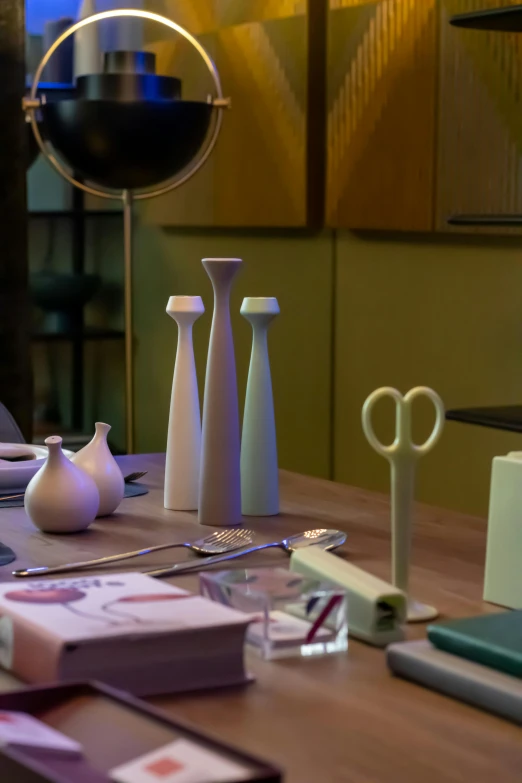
(324, 539)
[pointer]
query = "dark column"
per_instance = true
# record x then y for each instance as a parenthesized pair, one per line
(15, 322)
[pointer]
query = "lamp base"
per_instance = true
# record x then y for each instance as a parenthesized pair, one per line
(129, 329)
(420, 613)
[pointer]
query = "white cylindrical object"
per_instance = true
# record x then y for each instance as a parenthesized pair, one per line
(259, 469)
(182, 468)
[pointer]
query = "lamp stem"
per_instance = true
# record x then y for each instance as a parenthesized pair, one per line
(129, 332)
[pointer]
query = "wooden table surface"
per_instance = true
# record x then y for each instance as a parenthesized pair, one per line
(340, 718)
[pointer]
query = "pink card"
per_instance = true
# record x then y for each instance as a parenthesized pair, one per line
(181, 761)
(18, 729)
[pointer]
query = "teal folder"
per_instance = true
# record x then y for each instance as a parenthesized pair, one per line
(494, 640)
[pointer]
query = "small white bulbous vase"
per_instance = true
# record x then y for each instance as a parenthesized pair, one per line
(61, 498)
(96, 460)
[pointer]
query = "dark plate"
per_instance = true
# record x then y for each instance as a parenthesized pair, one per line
(507, 20)
(501, 417)
(504, 221)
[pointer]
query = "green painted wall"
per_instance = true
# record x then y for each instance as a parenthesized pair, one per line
(434, 311)
(407, 310)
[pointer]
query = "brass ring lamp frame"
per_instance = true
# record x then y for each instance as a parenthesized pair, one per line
(31, 105)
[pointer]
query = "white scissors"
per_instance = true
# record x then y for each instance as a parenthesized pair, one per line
(402, 455)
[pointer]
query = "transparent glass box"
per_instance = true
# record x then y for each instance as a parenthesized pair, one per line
(292, 615)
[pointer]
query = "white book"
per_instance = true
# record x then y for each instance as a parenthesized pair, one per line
(20, 730)
(128, 630)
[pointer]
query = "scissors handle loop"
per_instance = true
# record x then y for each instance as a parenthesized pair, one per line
(403, 445)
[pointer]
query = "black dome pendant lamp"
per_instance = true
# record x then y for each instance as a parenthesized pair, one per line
(127, 131)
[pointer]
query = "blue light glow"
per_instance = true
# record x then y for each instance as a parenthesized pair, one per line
(37, 12)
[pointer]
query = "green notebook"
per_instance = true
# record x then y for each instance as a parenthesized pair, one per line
(495, 640)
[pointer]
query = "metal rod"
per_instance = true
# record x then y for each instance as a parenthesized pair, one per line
(129, 332)
(77, 317)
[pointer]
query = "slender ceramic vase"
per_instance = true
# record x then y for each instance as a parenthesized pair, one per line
(184, 435)
(220, 485)
(259, 473)
(96, 459)
(61, 498)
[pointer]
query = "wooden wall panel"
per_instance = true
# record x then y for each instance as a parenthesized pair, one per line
(259, 173)
(479, 162)
(424, 119)
(413, 119)
(381, 70)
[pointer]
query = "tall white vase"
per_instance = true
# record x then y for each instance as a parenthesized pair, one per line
(220, 486)
(259, 470)
(184, 435)
(96, 459)
(61, 498)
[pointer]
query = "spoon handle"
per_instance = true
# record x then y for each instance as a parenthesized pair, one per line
(179, 568)
(100, 561)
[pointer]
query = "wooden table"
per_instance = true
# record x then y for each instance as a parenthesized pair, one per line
(327, 720)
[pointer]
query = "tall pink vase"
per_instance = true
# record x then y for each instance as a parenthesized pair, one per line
(220, 482)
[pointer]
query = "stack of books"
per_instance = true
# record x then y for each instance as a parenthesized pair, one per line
(477, 660)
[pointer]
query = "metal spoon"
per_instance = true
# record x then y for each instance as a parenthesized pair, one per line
(326, 539)
(135, 476)
(214, 544)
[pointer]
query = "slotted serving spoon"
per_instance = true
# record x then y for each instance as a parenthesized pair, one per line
(215, 544)
(325, 539)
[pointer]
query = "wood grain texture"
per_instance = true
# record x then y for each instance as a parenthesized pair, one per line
(479, 155)
(266, 168)
(364, 114)
(15, 365)
(381, 93)
(342, 719)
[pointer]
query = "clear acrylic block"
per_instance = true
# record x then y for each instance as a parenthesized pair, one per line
(291, 614)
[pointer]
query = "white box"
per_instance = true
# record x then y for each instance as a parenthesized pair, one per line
(503, 577)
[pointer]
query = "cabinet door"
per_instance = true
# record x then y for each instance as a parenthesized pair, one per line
(381, 103)
(479, 161)
(267, 169)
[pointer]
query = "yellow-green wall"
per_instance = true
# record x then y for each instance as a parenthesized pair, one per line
(358, 312)
(440, 312)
